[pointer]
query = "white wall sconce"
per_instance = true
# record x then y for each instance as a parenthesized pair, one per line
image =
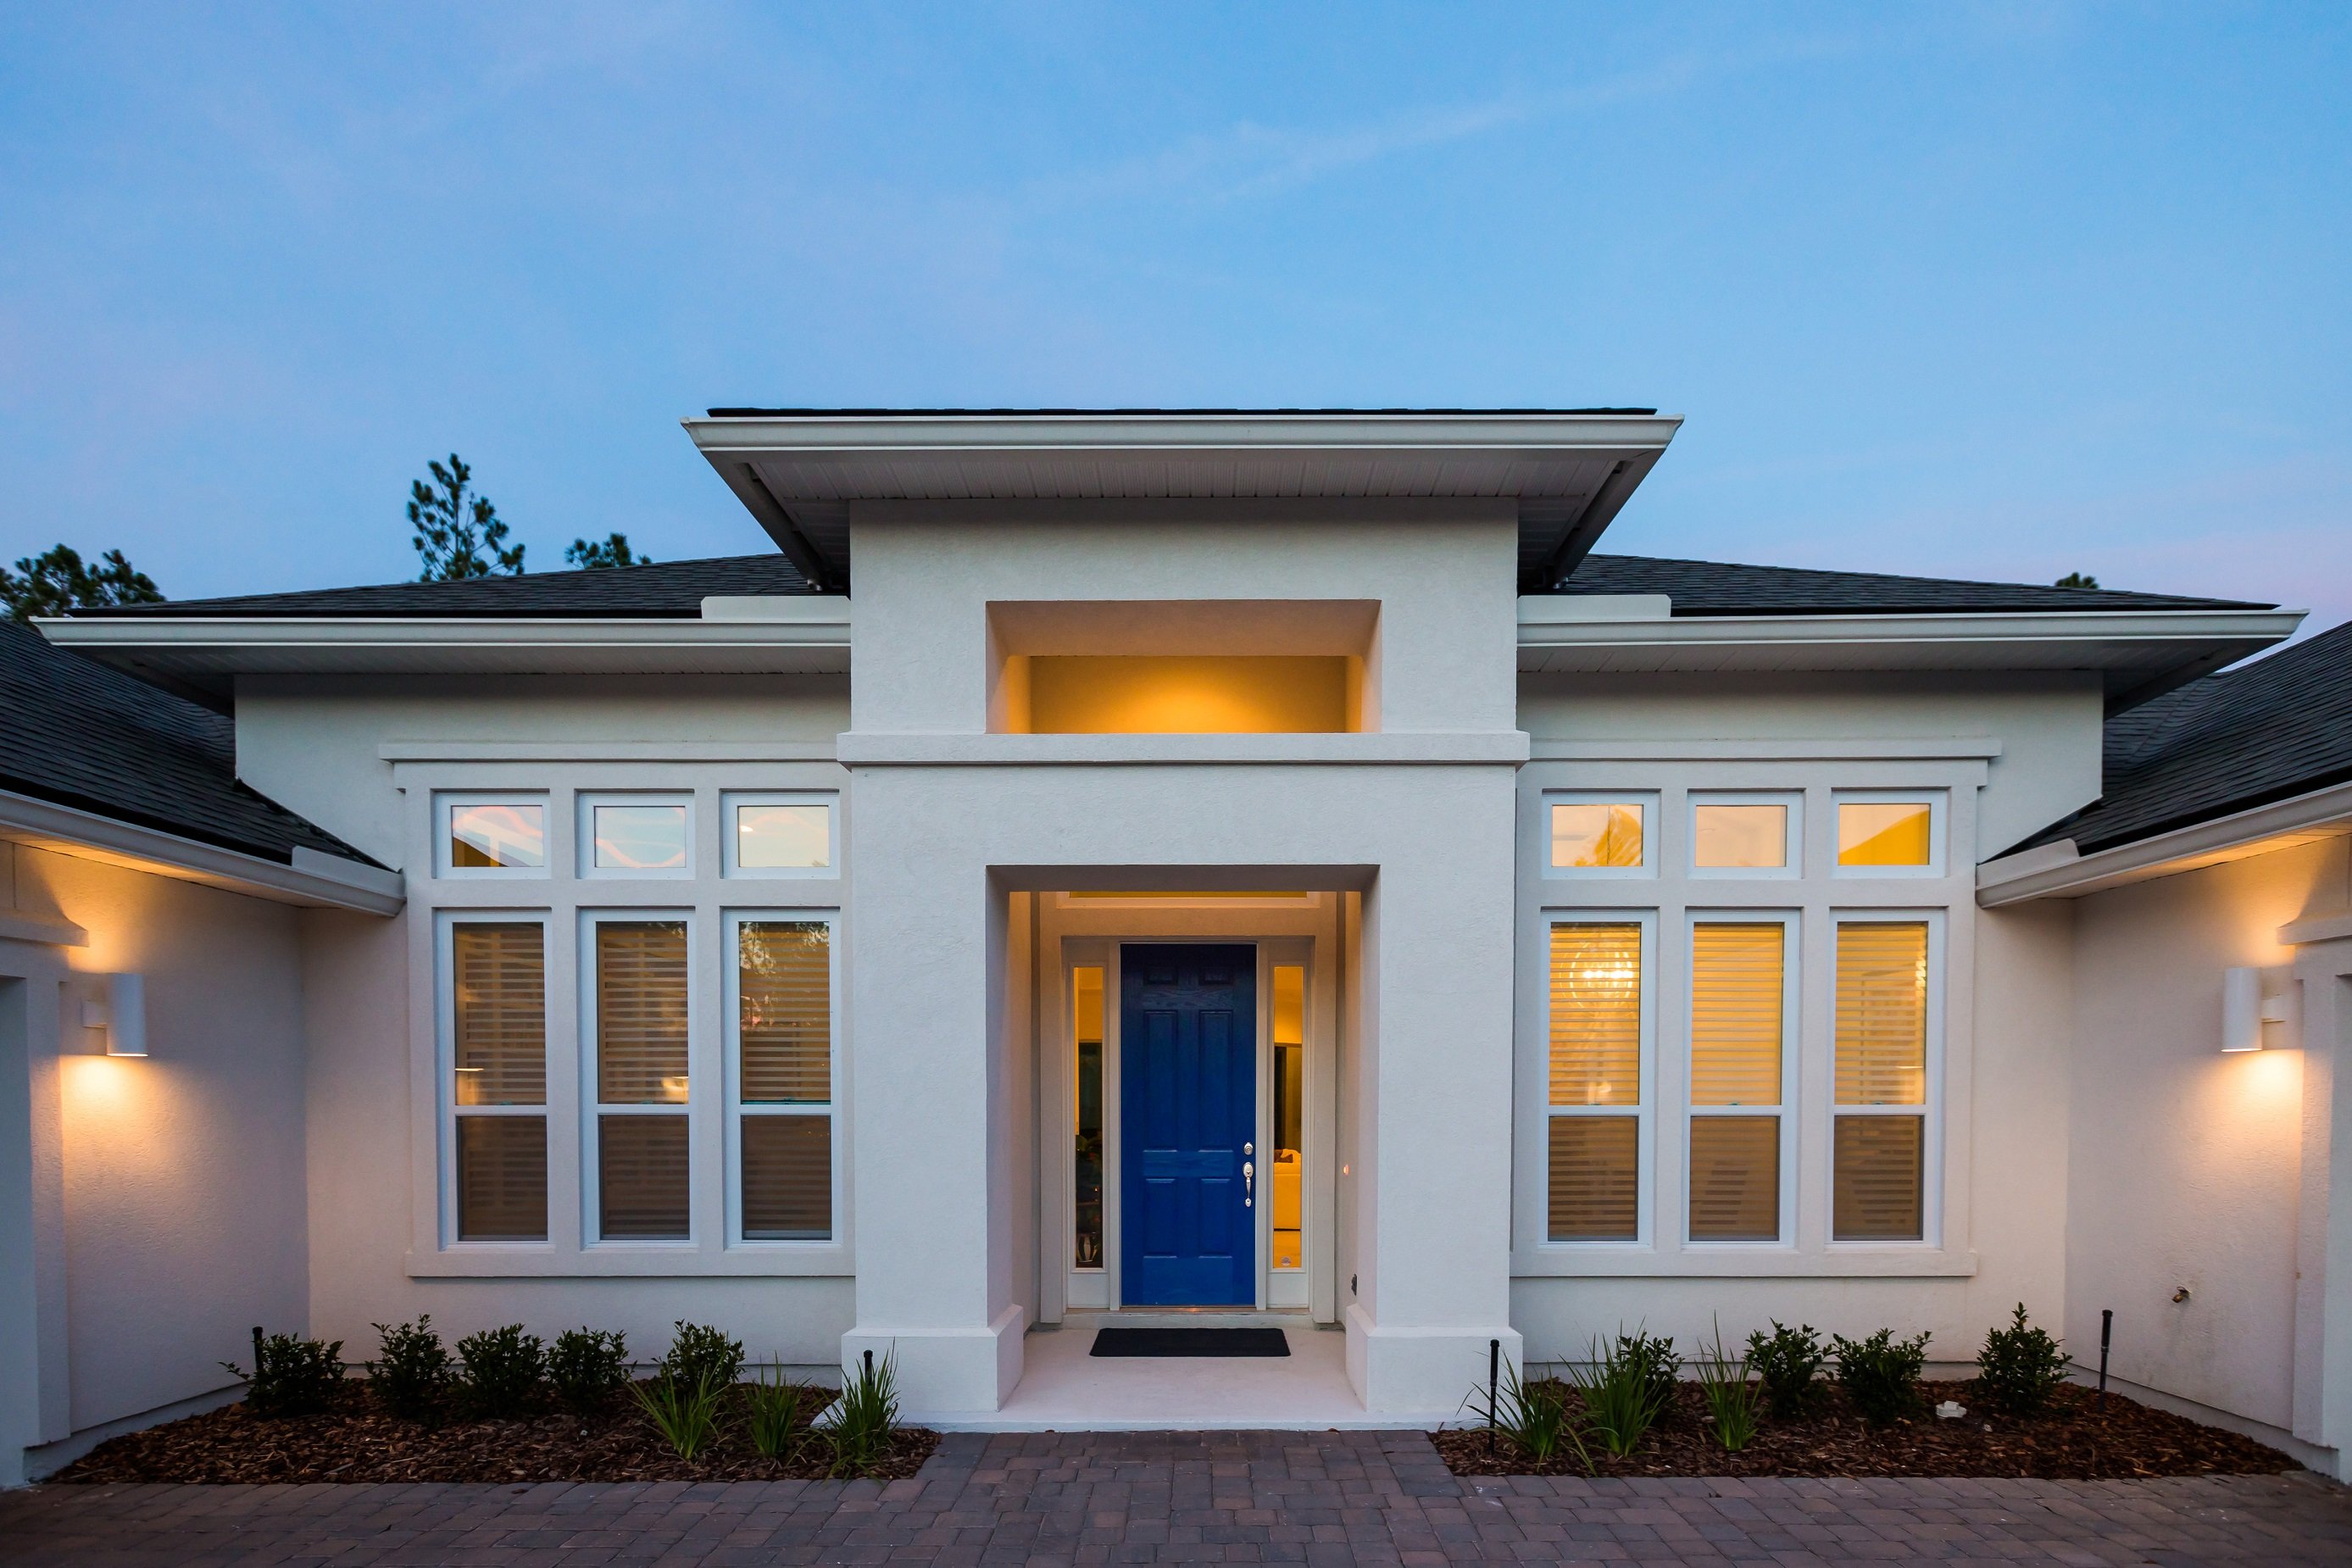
(123, 1015)
(2251, 998)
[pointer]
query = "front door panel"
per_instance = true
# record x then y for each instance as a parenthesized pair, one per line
(1188, 1112)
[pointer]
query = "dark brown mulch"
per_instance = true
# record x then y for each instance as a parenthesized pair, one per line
(2075, 1440)
(360, 1441)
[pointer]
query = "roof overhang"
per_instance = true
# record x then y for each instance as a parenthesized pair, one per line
(2138, 653)
(783, 635)
(2058, 871)
(799, 473)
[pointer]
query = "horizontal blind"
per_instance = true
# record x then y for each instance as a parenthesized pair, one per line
(785, 1011)
(642, 1185)
(1879, 1187)
(1735, 1178)
(1595, 1178)
(1596, 1015)
(787, 1178)
(501, 1012)
(502, 1178)
(641, 1010)
(1882, 1012)
(1736, 1010)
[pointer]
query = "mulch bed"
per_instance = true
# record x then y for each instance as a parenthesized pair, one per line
(2077, 1439)
(361, 1442)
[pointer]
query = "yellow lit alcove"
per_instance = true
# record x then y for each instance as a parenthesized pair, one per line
(1179, 694)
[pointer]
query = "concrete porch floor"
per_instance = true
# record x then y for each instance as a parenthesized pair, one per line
(1064, 1388)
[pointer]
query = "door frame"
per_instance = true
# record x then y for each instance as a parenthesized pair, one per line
(1073, 933)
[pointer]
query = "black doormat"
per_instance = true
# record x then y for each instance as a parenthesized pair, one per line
(1190, 1341)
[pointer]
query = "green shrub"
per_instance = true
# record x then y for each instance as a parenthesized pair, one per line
(1787, 1363)
(686, 1415)
(411, 1369)
(1624, 1391)
(867, 1417)
(1881, 1373)
(586, 1365)
(1532, 1414)
(1732, 1400)
(290, 1376)
(505, 1368)
(774, 1404)
(696, 1352)
(2021, 1367)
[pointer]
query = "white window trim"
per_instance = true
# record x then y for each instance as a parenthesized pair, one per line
(1644, 1112)
(732, 1026)
(1790, 1109)
(584, 848)
(1939, 833)
(1931, 1152)
(444, 1071)
(591, 1106)
(728, 840)
(445, 802)
(1792, 841)
(1653, 829)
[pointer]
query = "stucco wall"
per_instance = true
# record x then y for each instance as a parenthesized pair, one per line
(2187, 1163)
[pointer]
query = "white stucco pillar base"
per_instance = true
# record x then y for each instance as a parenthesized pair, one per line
(1421, 1371)
(945, 1372)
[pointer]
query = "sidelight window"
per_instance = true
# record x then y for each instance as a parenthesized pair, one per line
(639, 997)
(498, 1034)
(1741, 1003)
(783, 1080)
(1597, 1024)
(1878, 1155)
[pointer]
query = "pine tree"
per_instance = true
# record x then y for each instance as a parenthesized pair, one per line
(453, 532)
(57, 581)
(611, 551)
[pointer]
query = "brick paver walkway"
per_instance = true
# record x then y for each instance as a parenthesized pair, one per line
(1316, 1498)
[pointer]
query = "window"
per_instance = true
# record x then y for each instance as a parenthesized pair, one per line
(1878, 1155)
(1739, 1004)
(782, 834)
(636, 836)
(1598, 834)
(492, 836)
(1086, 1148)
(1742, 835)
(1289, 1034)
(641, 989)
(783, 1080)
(1881, 834)
(1597, 1022)
(497, 1035)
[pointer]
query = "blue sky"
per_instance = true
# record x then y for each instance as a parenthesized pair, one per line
(1983, 290)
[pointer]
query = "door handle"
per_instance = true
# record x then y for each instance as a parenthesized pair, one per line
(1249, 1181)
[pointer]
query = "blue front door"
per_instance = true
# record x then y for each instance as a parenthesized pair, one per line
(1188, 1111)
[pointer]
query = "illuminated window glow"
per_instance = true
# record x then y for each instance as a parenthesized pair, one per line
(1736, 837)
(1595, 1091)
(1587, 833)
(1289, 1112)
(1885, 832)
(1139, 694)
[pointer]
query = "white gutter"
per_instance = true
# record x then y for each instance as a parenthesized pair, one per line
(1074, 433)
(314, 881)
(2057, 871)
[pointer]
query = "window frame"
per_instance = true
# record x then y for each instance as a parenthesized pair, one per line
(1939, 833)
(730, 800)
(733, 1110)
(448, 1113)
(1932, 1113)
(1793, 834)
(445, 802)
(1644, 1113)
(1788, 1112)
(1653, 825)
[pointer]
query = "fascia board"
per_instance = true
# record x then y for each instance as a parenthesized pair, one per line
(314, 881)
(1097, 435)
(2039, 873)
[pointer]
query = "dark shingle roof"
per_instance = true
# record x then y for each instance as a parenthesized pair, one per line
(1720, 589)
(75, 732)
(673, 590)
(2279, 727)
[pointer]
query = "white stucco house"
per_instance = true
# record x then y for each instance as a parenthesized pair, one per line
(1262, 866)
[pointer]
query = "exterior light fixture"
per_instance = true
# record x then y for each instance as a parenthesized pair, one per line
(2244, 1008)
(124, 1015)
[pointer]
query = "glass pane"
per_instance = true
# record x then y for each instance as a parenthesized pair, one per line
(640, 837)
(1877, 1167)
(1736, 1009)
(514, 837)
(1086, 996)
(783, 838)
(787, 1178)
(641, 1180)
(501, 1178)
(1882, 1012)
(1735, 1178)
(1596, 833)
(500, 973)
(641, 1013)
(784, 1017)
(1594, 1181)
(1884, 833)
(1289, 1113)
(1729, 837)
(1596, 1015)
